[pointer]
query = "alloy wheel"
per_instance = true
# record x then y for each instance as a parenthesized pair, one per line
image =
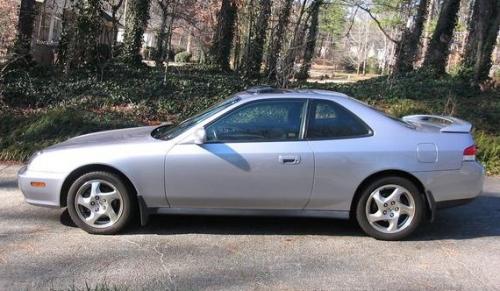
(390, 208)
(98, 203)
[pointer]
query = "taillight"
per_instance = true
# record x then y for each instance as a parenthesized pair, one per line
(470, 153)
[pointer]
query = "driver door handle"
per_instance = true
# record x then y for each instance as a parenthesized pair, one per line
(289, 159)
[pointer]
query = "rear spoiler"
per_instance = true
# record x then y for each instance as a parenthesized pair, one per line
(444, 123)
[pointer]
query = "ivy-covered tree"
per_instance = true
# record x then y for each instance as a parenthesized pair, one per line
(312, 34)
(481, 39)
(407, 47)
(89, 25)
(287, 63)
(135, 24)
(276, 42)
(162, 33)
(222, 40)
(67, 46)
(79, 43)
(255, 49)
(25, 25)
(115, 5)
(438, 50)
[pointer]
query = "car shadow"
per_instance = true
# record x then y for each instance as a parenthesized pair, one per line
(475, 220)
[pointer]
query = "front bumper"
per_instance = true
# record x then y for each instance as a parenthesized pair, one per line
(49, 195)
(453, 188)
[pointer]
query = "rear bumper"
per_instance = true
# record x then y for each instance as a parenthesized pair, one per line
(453, 188)
(48, 196)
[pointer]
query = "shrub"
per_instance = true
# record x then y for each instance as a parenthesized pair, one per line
(183, 57)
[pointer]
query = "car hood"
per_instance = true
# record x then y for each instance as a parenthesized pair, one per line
(109, 137)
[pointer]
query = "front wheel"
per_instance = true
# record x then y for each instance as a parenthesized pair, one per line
(100, 203)
(390, 208)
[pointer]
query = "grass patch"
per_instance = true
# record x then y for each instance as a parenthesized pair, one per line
(22, 134)
(42, 107)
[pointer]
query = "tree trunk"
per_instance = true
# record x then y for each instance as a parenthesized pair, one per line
(160, 39)
(220, 50)
(168, 43)
(255, 49)
(481, 39)
(428, 23)
(25, 26)
(288, 62)
(439, 46)
(408, 46)
(310, 40)
(114, 23)
(136, 22)
(237, 49)
(276, 42)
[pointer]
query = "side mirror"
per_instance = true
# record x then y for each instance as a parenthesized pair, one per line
(199, 136)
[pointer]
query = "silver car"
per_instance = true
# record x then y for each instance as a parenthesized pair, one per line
(265, 152)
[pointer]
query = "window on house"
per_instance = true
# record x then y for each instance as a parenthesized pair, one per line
(44, 28)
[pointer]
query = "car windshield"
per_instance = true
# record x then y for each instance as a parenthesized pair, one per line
(167, 132)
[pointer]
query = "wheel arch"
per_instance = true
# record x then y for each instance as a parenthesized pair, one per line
(428, 199)
(68, 181)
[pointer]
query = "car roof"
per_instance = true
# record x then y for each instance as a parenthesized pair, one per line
(260, 92)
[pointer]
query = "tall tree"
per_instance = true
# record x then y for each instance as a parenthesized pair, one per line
(89, 24)
(312, 34)
(481, 39)
(25, 25)
(408, 46)
(439, 45)
(288, 62)
(220, 49)
(276, 43)
(255, 49)
(135, 24)
(115, 6)
(159, 57)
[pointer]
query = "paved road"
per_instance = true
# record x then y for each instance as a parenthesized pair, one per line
(39, 248)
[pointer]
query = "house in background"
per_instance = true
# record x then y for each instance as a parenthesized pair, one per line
(48, 28)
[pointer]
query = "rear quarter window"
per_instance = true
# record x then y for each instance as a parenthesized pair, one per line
(329, 120)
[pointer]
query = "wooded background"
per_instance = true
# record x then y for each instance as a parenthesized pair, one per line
(277, 40)
(69, 67)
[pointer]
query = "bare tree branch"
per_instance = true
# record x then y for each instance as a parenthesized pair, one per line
(369, 12)
(377, 22)
(352, 22)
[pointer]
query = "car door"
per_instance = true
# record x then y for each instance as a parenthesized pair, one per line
(254, 158)
(343, 150)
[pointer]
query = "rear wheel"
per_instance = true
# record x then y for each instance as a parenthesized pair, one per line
(390, 208)
(100, 203)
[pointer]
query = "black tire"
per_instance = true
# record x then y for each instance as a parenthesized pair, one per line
(361, 215)
(128, 199)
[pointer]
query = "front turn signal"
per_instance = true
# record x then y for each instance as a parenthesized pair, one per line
(38, 184)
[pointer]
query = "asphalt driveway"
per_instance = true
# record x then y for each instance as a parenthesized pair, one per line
(39, 248)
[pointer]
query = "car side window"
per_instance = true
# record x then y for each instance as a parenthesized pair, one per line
(330, 120)
(270, 120)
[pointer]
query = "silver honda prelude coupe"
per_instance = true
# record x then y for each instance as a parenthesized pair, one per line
(268, 152)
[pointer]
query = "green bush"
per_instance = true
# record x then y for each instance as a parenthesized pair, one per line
(183, 57)
(488, 151)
